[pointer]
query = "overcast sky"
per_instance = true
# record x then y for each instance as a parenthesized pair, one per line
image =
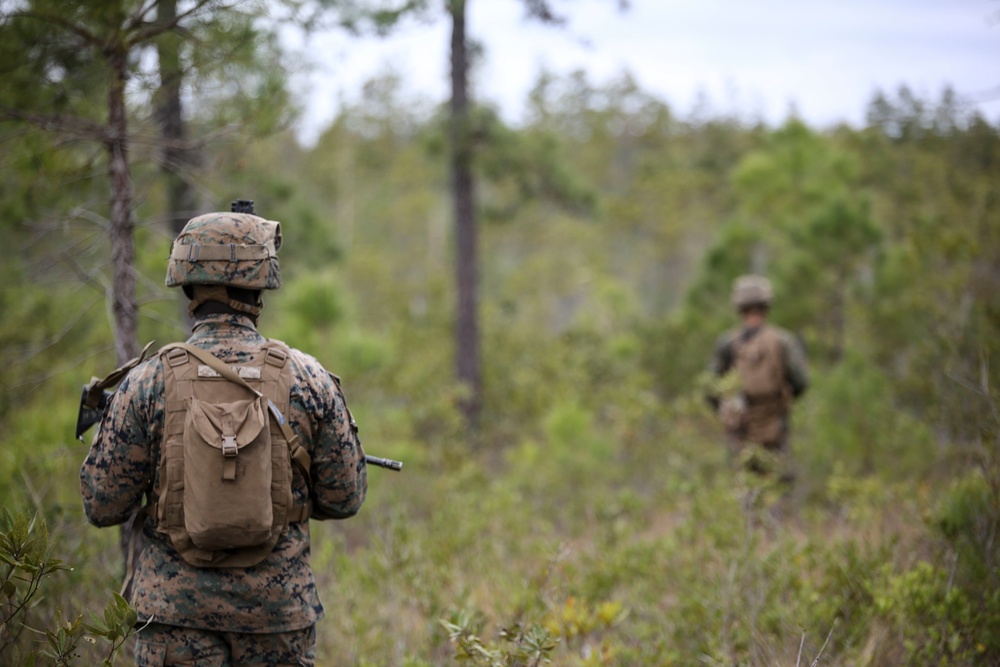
(755, 58)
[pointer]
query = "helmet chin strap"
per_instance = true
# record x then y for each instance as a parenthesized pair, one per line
(201, 294)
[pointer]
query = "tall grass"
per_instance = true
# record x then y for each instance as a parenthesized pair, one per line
(618, 535)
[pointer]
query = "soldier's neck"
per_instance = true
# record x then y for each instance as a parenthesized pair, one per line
(753, 320)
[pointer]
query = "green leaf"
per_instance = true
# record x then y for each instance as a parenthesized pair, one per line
(97, 625)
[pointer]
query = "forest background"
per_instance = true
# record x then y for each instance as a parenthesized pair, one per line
(592, 516)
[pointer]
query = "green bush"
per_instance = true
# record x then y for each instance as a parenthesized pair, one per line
(850, 422)
(933, 620)
(967, 517)
(26, 574)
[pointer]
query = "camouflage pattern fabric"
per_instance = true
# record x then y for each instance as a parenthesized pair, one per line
(158, 645)
(276, 595)
(234, 249)
(751, 290)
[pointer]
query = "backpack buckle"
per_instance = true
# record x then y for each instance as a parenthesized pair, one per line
(229, 452)
(177, 357)
(276, 357)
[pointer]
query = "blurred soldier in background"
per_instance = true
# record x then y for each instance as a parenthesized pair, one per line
(761, 369)
(209, 590)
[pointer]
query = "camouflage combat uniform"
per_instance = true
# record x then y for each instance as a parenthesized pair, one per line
(279, 594)
(765, 420)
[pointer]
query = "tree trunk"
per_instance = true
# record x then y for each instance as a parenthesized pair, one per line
(123, 301)
(179, 160)
(123, 304)
(467, 362)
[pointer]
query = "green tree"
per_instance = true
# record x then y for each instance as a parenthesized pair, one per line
(817, 235)
(75, 49)
(462, 146)
(934, 304)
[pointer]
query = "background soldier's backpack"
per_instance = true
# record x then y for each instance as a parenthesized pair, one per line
(759, 363)
(224, 495)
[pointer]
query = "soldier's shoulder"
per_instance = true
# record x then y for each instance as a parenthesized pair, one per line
(146, 372)
(726, 338)
(142, 385)
(781, 332)
(788, 338)
(304, 365)
(295, 354)
(772, 329)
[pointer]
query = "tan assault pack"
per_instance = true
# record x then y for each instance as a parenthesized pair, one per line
(759, 363)
(224, 494)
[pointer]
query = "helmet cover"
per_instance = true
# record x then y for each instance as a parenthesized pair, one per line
(231, 249)
(751, 290)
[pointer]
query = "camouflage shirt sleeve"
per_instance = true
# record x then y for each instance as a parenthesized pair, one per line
(339, 473)
(719, 365)
(796, 369)
(722, 355)
(121, 463)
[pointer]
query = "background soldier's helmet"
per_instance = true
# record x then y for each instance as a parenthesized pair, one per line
(752, 291)
(231, 249)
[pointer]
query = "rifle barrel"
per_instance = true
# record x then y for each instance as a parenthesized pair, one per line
(384, 463)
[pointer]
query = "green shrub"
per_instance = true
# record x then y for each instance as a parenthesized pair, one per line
(26, 572)
(967, 517)
(932, 619)
(850, 421)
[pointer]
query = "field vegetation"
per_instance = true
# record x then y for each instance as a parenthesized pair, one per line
(594, 519)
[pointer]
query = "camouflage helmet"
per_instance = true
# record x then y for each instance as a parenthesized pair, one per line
(750, 291)
(231, 249)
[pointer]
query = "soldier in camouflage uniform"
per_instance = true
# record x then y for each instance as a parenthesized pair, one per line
(767, 366)
(265, 614)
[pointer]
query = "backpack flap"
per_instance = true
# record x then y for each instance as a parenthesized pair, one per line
(227, 426)
(227, 474)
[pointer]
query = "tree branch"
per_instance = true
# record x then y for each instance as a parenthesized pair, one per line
(542, 10)
(823, 648)
(78, 30)
(145, 31)
(60, 123)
